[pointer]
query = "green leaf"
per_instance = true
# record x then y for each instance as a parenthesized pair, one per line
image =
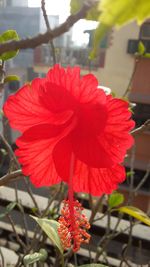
(118, 13)
(99, 34)
(130, 173)
(11, 78)
(37, 256)
(141, 48)
(50, 228)
(93, 265)
(34, 210)
(136, 213)
(115, 199)
(8, 209)
(7, 36)
(146, 55)
(92, 14)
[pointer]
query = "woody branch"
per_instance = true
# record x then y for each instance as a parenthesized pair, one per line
(49, 34)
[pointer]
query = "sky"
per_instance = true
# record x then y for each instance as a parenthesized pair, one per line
(62, 8)
(53, 7)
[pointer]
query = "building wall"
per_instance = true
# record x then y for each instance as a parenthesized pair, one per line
(53, 21)
(118, 64)
(26, 21)
(18, 2)
(140, 89)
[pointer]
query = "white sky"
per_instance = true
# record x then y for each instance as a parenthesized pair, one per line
(62, 8)
(54, 7)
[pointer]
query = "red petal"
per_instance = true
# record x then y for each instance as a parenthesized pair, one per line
(92, 119)
(24, 108)
(56, 98)
(97, 181)
(91, 152)
(41, 132)
(84, 89)
(88, 91)
(62, 158)
(36, 161)
(35, 152)
(116, 138)
(68, 79)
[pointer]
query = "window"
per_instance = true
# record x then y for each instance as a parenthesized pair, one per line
(145, 31)
(101, 62)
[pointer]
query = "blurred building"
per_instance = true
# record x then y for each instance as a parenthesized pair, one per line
(119, 67)
(26, 21)
(140, 95)
(6, 3)
(112, 66)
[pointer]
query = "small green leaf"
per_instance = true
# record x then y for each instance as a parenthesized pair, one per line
(99, 34)
(8, 209)
(136, 213)
(141, 48)
(130, 173)
(93, 265)
(113, 93)
(34, 210)
(92, 14)
(37, 256)
(7, 36)
(50, 228)
(115, 199)
(146, 55)
(11, 78)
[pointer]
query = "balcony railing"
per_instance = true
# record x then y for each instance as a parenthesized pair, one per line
(67, 56)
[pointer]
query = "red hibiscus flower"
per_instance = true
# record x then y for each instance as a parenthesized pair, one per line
(65, 115)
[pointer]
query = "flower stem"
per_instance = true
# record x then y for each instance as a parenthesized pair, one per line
(62, 260)
(70, 192)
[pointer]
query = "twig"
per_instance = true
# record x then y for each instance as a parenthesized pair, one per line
(131, 78)
(47, 36)
(49, 29)
(91, 202)
(56, 194)
(2, 258)
(29, 190)
(143, 179)
(10, 177)
(113, 234)
(131, 178)
(9, 150)
(37, 230)
(16, 234)
(96, 208)
(144, 127)
(18, 261)
(128, 246)
(25, 223)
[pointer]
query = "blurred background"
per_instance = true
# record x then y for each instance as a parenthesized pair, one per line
(115, 67)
